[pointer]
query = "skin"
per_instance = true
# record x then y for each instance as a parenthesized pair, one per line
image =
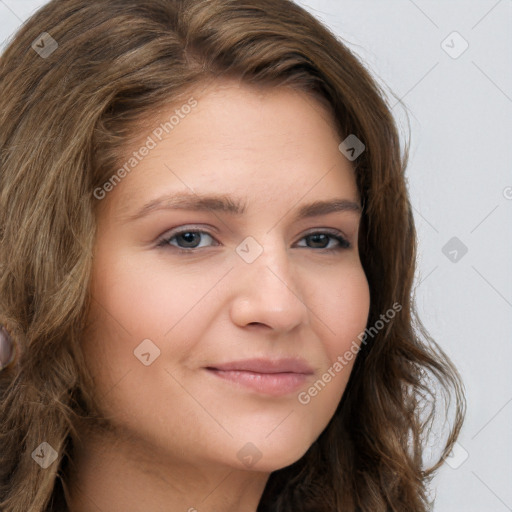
(178, 429)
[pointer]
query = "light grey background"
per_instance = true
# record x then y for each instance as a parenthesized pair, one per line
(460, 182)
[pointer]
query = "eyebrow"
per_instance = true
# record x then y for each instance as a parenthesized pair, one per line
(226, 204)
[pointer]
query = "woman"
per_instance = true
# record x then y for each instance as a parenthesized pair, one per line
(276, 366)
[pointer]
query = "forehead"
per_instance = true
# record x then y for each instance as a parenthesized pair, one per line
(238, 138)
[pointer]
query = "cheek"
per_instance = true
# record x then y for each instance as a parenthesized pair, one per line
(144, 298)
(342, 305)
(135, 301)
(343, 309)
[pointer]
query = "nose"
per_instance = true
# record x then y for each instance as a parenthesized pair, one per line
(268, 293)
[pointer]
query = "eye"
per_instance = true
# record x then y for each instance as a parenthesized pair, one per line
(320, 237)
(188, 240)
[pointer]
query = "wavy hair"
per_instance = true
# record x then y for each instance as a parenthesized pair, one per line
(67, 116)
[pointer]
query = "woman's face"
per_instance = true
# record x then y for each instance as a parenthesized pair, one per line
(210, 327)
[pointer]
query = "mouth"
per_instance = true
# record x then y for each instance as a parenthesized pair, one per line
(265, 376)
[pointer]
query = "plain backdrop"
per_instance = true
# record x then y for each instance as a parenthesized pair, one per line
(450, 64)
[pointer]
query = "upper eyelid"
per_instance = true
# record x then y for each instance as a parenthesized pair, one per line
(194, 229)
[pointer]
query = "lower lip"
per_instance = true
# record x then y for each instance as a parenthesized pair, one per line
(275, 384)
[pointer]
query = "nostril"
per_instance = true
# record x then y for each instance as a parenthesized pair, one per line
(258, 325)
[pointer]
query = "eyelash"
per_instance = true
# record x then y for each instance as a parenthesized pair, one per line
(165, 242)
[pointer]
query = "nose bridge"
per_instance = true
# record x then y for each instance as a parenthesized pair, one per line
(268, 260)
(268, 290)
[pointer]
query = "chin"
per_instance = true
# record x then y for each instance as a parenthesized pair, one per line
(270, 456)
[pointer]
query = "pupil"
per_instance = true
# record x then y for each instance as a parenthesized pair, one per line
(316, 237)
(187, 237)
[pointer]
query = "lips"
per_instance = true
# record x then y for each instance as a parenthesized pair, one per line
(288, 365)
(271, 377)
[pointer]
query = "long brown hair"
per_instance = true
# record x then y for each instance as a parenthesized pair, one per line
(67, 113)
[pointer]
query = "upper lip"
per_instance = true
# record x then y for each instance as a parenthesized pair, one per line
(261, 365)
